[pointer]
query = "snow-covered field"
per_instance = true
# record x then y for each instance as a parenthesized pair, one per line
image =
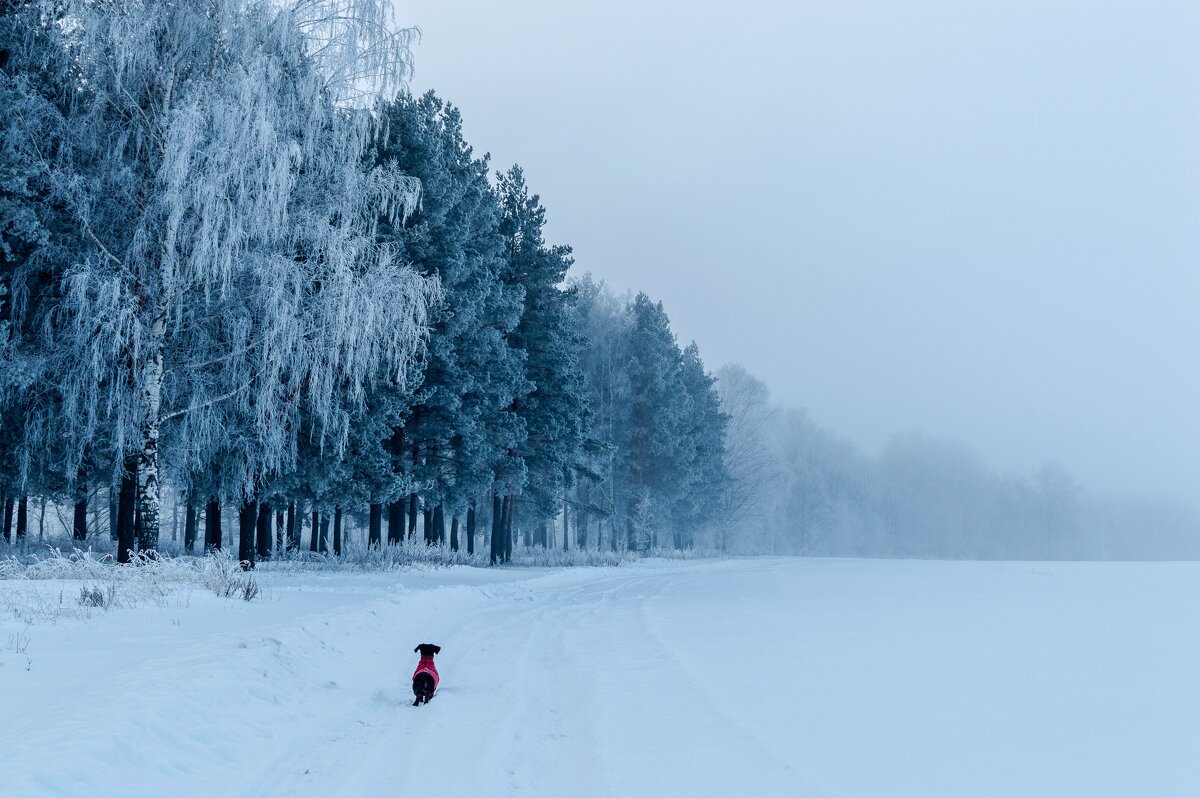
(765, 677)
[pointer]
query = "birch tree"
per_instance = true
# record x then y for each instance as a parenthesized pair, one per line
(755, 477)
(217, 170)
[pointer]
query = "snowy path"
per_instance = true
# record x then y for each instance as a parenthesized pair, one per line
(758, 677)
(534, 702)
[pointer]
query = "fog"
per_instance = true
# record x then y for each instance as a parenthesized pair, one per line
(975, 221)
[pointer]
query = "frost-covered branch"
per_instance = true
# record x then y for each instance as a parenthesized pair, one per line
(193, 408)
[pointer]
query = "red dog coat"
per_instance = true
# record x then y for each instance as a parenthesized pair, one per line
(426, 666)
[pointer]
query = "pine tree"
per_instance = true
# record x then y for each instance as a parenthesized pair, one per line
(459, 429)
(696, 508)
(35, 246)
(658, 454)
(604, 322)
(552, 407)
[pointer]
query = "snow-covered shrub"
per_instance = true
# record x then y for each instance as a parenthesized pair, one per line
(50, 578)
(357, 556)
(238, 586)
(95, 596)
(18, 642)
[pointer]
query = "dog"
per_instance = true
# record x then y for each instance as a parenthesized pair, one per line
(425, 677)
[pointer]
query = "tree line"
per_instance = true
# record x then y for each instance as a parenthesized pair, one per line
(244, 268)
(797, 488)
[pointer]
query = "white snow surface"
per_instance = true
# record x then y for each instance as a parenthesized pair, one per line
(760, 677)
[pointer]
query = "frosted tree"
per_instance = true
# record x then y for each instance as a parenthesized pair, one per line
(694, 510)
(1056, 499)
(552, 404)
(659, 455)
(233, 278)
(35, 245)
(460, 425)
(755, 478)
(604, 321)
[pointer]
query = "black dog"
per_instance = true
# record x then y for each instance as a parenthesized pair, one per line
(425, 677)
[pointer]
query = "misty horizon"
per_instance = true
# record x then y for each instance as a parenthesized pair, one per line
(971, 223)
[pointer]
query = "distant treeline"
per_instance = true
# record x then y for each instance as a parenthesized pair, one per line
(798, 488)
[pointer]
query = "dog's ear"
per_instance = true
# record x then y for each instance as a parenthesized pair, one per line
(436, 649)
(415, 650)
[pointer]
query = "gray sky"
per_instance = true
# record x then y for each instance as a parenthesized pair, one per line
(977, 220)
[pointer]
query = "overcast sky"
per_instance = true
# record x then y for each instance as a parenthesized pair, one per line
(975, 220)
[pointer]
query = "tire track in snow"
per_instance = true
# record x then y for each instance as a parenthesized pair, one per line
(514, 715)
(662, 702)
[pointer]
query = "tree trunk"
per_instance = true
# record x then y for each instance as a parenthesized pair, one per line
(581, 516)
(497, 547)
(112, 514)
(439, 525)
(454, 533)
(375, 527)
(510, 520)
(8, 514)
(280, 530)
(247, 519)
(412, 497)
(302, 516)
(471, 528)
(566, 526)
(395, 509)
(427, 525)
(125, 502)
(263, 528)
(395, 522)
(292, 533)
(323, 545)
(189, 529)
(337, 531)
(22, 518)
(79, 526)
(212, 525)
(148, 498)
(314, 538)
